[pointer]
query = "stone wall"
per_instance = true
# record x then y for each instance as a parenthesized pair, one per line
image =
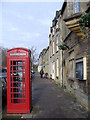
(88, 71)
(78, 48)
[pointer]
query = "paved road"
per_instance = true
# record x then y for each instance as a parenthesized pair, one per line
(51, 101)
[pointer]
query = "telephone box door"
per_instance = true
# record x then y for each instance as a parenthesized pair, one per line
(18, 86)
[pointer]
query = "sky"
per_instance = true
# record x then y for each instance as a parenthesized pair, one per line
(27, 24)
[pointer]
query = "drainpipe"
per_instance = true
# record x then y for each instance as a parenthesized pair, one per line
(62, 68)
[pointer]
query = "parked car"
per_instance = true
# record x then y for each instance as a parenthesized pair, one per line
(4, 87)
(3, 81)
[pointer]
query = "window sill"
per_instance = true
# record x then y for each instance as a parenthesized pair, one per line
(80, 79)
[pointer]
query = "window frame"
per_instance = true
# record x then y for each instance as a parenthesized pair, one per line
(79, 61)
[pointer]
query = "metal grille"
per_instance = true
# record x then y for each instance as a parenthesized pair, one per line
(17, 74)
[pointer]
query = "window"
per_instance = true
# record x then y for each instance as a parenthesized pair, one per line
(57, 68)
(60, 38)
(57, 25)
(57, 43)
(17, 81)
(53, 48)
(79, 69)
(57, 39)
(53, 31)
(76, 5)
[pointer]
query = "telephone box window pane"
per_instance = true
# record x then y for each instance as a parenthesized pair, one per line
(24, 75)
(24, 79)
(79, 70)
(17, 95)
(18, 82)
(19, 67)
(11, 67)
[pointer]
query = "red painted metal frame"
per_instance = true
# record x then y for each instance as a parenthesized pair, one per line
(21, 106)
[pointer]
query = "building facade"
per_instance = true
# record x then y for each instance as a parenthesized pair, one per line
(46, 68)
(69, 67)
(68, 53)
(75, 57)
(42, 60)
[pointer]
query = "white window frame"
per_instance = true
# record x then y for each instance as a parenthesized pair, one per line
(57, 67)
(84, 67)
(53, 31)
(57, 42)
(53, 48)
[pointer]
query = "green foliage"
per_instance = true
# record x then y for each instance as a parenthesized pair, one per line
(63, 46)
(84, 22)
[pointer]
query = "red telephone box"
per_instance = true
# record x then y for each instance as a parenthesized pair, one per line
(19, 83)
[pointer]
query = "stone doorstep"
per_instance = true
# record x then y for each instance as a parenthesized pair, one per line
(13, 114)
(34, 111)
(27, 116)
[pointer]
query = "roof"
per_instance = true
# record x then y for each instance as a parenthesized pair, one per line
(42, 52)
(19, 48)
(63, 7)
(88, 7)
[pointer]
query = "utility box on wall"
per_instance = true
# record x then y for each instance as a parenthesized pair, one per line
(19, 83)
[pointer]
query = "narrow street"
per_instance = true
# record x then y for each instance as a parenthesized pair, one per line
(50, 101)
(53, 39)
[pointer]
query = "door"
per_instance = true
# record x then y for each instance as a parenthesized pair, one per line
(53, 70)
(18, 85)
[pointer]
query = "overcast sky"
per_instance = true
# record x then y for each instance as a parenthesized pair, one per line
(27, 24)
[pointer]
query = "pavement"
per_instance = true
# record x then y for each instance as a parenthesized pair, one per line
(52, 101)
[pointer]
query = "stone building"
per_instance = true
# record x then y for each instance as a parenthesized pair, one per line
(42, 60)
(75, 57)
(46, 66)
(54, 51)
(69, 67)
(66, 60)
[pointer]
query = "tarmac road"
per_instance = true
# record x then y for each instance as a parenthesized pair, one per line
(51, 101)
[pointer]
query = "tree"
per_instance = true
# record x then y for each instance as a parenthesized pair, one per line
(34, 56)
(4, 57)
